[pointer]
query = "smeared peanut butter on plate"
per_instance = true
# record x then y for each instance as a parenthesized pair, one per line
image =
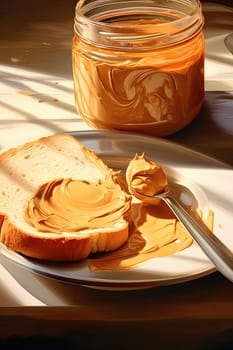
(155, 233)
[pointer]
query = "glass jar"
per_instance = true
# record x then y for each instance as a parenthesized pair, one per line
(138, 65)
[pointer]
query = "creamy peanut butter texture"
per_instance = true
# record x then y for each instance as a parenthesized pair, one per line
(155, 233)
(155, 91)
(67, 205)
(145, 176)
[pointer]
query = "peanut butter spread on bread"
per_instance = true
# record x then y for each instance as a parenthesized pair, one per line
(67, 205)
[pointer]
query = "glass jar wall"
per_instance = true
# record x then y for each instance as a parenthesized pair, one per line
(138, 65)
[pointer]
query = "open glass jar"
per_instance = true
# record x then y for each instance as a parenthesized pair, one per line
(138, 65)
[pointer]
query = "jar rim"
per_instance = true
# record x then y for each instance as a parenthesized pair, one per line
(94, 22)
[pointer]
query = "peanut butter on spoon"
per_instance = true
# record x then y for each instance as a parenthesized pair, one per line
(145, 176)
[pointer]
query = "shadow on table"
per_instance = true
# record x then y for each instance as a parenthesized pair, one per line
(212, 131)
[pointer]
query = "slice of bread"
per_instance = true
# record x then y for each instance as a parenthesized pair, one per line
(26, 168)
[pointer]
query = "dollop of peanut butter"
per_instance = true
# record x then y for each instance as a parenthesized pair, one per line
(145, 176)
(67, 205)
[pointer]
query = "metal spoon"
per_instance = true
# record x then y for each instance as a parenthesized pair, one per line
(217, 252)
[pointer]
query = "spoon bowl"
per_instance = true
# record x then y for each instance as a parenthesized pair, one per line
(219, 254)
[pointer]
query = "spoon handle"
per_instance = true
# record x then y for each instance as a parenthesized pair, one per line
(217, 252)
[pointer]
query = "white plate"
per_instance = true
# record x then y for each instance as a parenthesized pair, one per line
(210, 184)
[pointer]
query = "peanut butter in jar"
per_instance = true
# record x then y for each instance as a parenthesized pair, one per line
(138, 65)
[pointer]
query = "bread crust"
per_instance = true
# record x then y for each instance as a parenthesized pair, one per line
(60, 248)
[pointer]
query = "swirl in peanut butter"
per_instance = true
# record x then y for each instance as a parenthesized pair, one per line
(145, 176)
(156, 92)
(67, 205)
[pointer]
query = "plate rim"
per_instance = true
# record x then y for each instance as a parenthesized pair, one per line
(155, 139)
